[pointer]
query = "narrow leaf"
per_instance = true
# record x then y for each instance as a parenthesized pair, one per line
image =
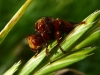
(92, 17)
(13, 69)
(64, 62)
(14, 20)
(91, 40)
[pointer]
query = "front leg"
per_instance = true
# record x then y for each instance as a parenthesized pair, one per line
(46, 43)
(37, 52)
(58, 33)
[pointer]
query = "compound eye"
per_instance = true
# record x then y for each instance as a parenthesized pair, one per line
(40, 26)
(35, 42)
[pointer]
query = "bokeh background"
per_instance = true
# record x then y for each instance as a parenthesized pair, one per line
(15, 47)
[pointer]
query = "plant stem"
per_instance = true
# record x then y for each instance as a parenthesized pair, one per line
(14, 20)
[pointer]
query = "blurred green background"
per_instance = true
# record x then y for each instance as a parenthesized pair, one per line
(15, 47)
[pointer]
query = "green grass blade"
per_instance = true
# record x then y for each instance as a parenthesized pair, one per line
(92, 17)
(31, 65)
(14, 20)
(92, 39)
(13, 69)
(64, 62)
